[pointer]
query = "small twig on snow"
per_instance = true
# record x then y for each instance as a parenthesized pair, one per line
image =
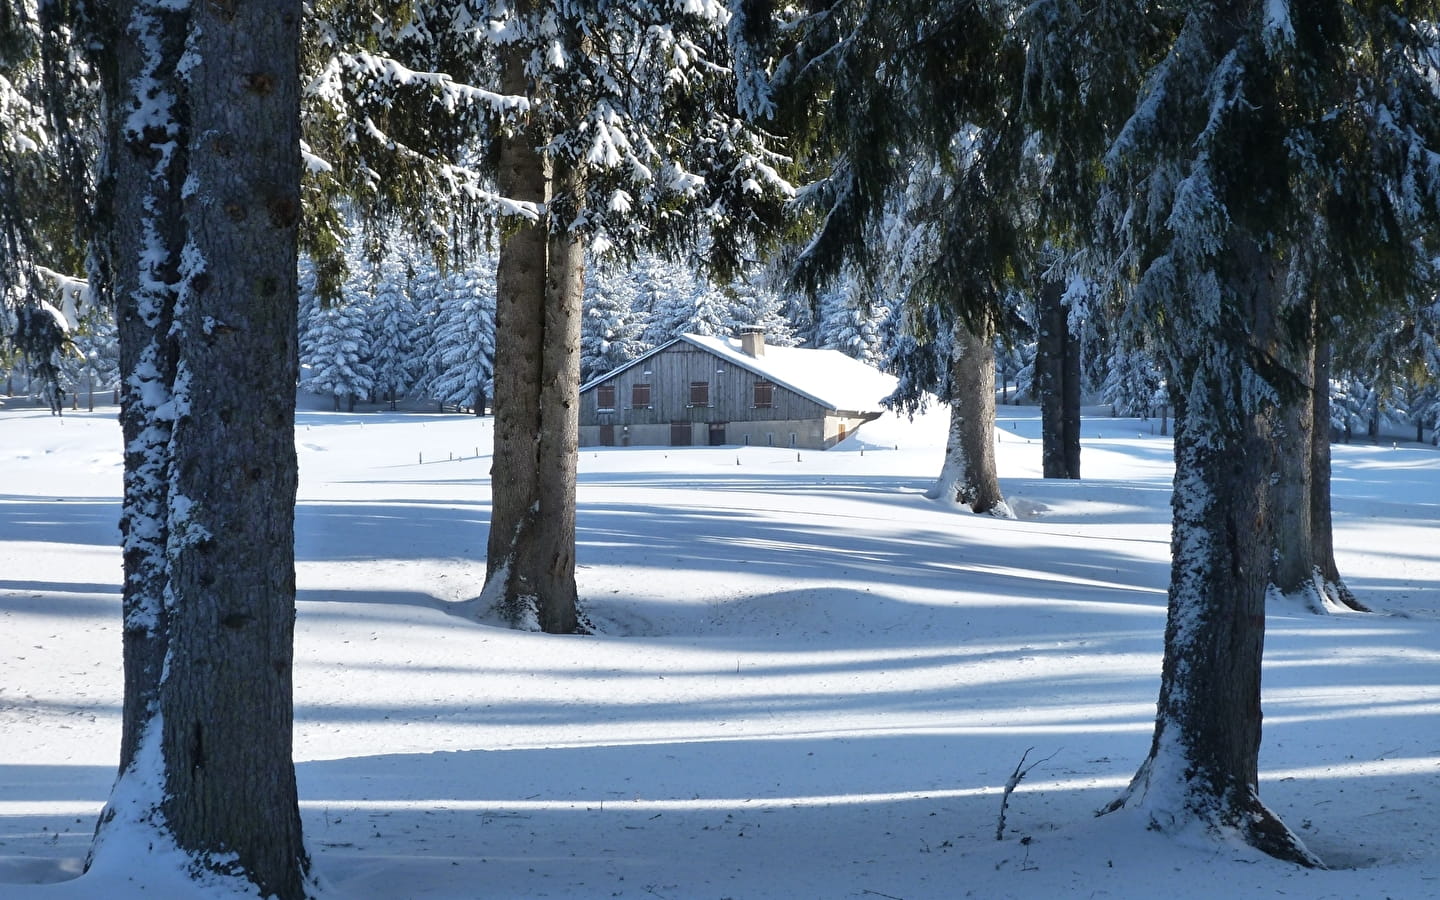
(878, 894)
(1021, 770)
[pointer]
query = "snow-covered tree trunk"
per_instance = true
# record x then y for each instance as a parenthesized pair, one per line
(198, 244)
(967, 475)
(1204, 758)
(1057, 371)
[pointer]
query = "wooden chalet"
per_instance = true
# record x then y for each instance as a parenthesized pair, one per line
(698, 390)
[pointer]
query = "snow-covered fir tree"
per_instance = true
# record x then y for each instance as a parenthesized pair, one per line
(426, 289)
(336, 348)
(1134, 385)
(394, 322)
(1389, 375)
(850, 318)
(670, 294)
(460, 359)
(1014, 368)
(612, 331)
(753, 304)
(92, 363)
(918, 354)
(49, 139)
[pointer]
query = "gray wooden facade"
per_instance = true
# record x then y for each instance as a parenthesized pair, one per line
(698, 398)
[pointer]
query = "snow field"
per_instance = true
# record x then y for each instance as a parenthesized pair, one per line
(809, 680)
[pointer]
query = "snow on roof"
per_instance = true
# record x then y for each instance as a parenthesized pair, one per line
(828, 377)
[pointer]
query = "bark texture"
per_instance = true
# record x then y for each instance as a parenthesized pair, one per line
(968, 475)
(530, 564)
(200, 220)
(519, 345)
(1292, 570)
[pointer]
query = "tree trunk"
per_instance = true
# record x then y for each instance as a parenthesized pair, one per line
(1204, 758)
(1070, 402)
(967, 475)
(199, 217)
(548, 560)
(1057, 371)
(1293, 568)
(530, 567)
(1304, 560)
(1322, 534)
(519, 346)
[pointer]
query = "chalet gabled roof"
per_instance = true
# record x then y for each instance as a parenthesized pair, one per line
(828, 377)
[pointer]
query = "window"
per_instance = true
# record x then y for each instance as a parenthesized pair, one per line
(640, 396)
(699, 393)
(764, 394)
(605, 396)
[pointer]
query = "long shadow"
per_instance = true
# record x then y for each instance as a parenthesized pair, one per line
(63, 520)
(737, 541)
(766, 817)
(363, 530)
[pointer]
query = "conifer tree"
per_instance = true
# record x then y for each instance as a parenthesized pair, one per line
(461, 356)
(849, 321)
(393, 355)
(611, 333)
(601, 127)
(1262, 177)
(337, 350)
(919, 167)
(48, 143)
(666, 292)
(754, 305)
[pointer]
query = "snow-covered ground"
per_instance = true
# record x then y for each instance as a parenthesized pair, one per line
(810, 682)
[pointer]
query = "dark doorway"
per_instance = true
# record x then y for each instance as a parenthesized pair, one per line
(607, 435)
(680, 434)
(717, 434)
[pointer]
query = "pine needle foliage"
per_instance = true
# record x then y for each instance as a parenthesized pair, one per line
(636, 96)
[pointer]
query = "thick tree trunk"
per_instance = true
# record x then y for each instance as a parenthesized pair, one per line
(200, 216)
(1057, 370)
(967, 475)
(1204, 758)
(519, 347)
(530, 566)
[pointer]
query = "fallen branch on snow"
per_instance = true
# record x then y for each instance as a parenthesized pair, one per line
(1021, 770)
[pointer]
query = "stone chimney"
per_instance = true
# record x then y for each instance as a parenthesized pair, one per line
(752, 341)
